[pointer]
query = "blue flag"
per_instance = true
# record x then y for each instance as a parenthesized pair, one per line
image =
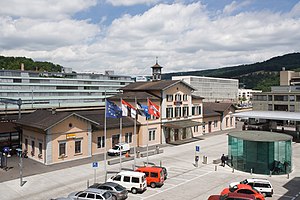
(143, 110)
(112, 110)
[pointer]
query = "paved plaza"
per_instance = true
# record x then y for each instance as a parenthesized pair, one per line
(185, 180)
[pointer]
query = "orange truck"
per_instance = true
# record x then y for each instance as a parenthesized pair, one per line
(154, 176)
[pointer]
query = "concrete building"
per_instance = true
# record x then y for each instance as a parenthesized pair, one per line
(212, 89)
(245, 96)
(57, 90)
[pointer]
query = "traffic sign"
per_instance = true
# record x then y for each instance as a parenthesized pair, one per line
(197, 148)
(95, 164)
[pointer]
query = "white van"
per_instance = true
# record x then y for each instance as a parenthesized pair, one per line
(121, 147)
(262, 185)
(132, 181)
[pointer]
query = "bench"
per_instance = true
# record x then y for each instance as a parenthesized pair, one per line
(117, 160)
(217, 161)
(151, 153)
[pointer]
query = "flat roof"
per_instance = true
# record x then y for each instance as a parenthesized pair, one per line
(275, 115)
(260, 136)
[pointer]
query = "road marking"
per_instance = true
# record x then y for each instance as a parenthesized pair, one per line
(177, 185)
(287, 196)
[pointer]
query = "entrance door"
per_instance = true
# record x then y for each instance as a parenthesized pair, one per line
(176, 137)
(115, 139)
(209, 126)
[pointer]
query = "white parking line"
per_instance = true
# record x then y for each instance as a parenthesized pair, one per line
(177, 185)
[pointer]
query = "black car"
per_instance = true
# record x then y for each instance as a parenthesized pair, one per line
(118, 192)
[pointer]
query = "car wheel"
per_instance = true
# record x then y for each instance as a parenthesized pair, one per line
(153, 185)
(133, 190)
(113, 197)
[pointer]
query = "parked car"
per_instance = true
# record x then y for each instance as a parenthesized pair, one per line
(154, 175)
(87, 194)
(121, 147)
(262, 185)
(132, 181)
(232, 196)
(245, 189)
(118, 191)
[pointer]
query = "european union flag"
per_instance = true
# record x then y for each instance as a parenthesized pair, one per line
(112, 110)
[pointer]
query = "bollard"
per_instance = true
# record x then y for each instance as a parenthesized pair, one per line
(160, 163)
(216, 167)
(203, 160)
(270, 173)
(288, 176)
(251, 170)
(87, 183)
(232, 169)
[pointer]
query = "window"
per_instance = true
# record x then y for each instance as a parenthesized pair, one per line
(128, 137)
(62, 149)
(40, 148)
(177, 97)
(226, 121)
(177, 111)
(153, 174)
(126, 179)
(245, 191)
(185, 111)
(231, 121)
(270, 107)
(169, 97)
(17, 80)
(185, 97)
(292, 98)
(117, 178)
(169, 112)
(196, 129)
(78, 146)
(147, 174)
(82, 195)
(32, 148)
(292, 108)
(135, 180)
(98, 196)
(270, 98)
(215, 123)
(151, 135)
(90, 196)
(196, 110)
(101, 142)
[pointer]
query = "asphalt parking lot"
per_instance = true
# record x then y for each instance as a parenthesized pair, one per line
(185, 180)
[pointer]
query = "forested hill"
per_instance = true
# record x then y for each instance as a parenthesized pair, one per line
(259, 75)
(14, 63)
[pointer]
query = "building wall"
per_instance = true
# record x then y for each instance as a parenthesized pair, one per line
(37, 137)
(215, 122)
(228, 121)
(212, 89)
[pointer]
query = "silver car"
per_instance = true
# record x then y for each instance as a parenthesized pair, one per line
(89, 194)
(118, 192)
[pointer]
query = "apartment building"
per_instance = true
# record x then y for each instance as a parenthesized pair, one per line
(212, 89)
(245, 96)
(57, 89)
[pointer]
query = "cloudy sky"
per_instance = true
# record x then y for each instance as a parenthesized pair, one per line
(127, 35)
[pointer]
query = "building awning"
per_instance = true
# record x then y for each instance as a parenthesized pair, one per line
(272, 115)
(182, 124)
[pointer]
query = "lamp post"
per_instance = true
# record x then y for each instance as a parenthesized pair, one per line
(21, 166)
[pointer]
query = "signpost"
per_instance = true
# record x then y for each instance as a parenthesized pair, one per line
(95, 166)
(197, 155)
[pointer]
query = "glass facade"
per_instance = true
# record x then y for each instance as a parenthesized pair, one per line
(260, 156)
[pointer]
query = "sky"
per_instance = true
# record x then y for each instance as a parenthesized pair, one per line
(127, 36)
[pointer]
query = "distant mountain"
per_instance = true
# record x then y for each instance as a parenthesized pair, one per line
(259, 75)
(14, 63)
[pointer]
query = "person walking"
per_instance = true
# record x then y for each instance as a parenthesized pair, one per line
(223, 159)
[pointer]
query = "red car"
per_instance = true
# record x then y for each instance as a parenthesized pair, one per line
(232, 196)
(245, 189)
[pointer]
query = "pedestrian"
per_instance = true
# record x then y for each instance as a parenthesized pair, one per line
(223, 159)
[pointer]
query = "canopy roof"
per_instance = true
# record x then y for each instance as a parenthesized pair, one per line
(273, 115)
(260, 136)
(181, 124)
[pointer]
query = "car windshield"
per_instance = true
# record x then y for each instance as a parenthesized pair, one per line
(119, 188)
(107, 195)
(115, 148)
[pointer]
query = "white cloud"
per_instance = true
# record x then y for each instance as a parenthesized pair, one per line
(131, 2)
(183, 36)
(233, 6)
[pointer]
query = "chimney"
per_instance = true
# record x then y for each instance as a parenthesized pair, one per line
(22, 66)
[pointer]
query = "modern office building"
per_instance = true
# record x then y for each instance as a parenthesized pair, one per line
(245, 96)
(212, 89)
(57, 89)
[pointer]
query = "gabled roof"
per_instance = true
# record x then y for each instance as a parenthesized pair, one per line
(44, 119)
(154, 85)
(131, 96)
(214, 108)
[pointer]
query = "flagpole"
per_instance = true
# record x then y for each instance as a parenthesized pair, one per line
(105, 157)
(120, 139)
(147, 134)
(134, 135)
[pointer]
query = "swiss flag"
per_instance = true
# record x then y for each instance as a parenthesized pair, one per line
(153, 109)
